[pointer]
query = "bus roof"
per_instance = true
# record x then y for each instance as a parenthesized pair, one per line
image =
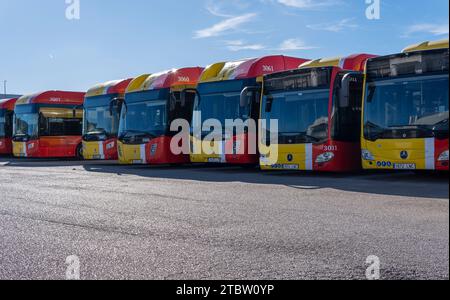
(442, 44)
(166, 79)
(355, 62)
(108, 88)
(53, 97)
(249, 68)
(8, 103)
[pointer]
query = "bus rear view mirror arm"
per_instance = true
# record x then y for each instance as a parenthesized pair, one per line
(244, 100)
(115, 101)
(344, 91)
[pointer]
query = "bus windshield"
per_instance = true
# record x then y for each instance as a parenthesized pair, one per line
(147, 119)
(101, 120)
(26, 125)
(302, 115)
(417, 104)
(222, 107)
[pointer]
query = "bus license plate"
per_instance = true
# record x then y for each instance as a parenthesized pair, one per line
(137, 162)
(214, 160)
(97, 157)
(286, 167)
(405, 166)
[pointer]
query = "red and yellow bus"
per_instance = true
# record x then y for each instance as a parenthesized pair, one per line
(6, 125)
(152, 103)
(102, 106)
(318, 108)
(220, 92)
(406, 109)
(48, 125)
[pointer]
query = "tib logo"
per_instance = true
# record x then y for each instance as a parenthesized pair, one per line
(73, 10)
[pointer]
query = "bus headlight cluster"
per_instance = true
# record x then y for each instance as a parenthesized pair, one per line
(443, 156)
(367, 155)
(325, 157)
(110, 146)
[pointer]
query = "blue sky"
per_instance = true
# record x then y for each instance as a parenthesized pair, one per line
(41, 49)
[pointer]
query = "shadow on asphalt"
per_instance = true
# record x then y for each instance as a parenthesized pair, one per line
(408, 184)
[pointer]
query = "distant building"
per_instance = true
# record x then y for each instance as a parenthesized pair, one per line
(7, 96)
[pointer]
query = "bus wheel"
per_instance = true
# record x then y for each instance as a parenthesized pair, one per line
(80, 152)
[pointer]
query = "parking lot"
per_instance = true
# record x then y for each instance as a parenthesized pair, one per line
(141, 222)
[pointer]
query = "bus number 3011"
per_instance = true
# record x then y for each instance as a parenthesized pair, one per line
(330, 148)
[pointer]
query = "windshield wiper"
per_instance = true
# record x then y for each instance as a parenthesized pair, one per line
(136, 134)
(302, 135)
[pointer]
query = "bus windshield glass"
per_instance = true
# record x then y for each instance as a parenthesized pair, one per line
(302, 115)
(419, 104)
(147, 119)
(101, 121)
(299, 100)
(26, 125)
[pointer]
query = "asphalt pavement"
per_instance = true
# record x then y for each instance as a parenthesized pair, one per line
(141, 222)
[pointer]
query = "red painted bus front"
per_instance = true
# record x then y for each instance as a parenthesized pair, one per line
(48, 125)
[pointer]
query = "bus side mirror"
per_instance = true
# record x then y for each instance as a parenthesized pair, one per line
(115, 102)
(245, 100)
(345, 88)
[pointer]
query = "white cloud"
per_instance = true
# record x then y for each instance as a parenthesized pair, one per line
(335, 27)
(428, 28)
(240, 45)
(294, 45)
(230, 24)
(307, 4)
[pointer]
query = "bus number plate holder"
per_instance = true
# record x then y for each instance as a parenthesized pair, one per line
(405, 166)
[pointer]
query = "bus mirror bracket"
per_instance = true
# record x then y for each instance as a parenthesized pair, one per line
(244, 101)
(115, 101)
(344, 91)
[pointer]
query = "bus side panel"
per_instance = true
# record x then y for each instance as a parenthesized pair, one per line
(58, 146)
(5, 146)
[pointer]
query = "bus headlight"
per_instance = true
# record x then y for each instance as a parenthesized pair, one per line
(110, 146)
(443, 156)
(367, 155)
(325, 157)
